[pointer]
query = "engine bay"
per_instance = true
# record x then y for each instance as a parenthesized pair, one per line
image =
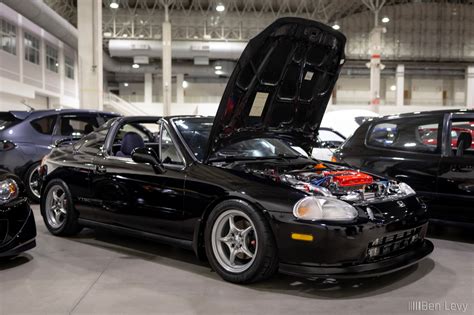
(323, 179)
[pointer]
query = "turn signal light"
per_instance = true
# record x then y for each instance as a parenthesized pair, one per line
(302, 237)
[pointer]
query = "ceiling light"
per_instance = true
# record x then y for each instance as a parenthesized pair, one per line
(185, 84)
(135, 66)
(218, 67)
(385, 19)
(114, 4)
(141, 35)
(393, 88)
(107, 34)
(336, 26)
(125, 35)
(219, 72)
(220, 7)
(125, 84)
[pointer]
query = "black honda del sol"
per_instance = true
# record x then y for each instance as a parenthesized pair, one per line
(233, 188)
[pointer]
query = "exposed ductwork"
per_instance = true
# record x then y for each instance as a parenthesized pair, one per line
(179, 49)
(189, 69)
(42, 15)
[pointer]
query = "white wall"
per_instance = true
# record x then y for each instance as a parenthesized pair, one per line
(22, 81)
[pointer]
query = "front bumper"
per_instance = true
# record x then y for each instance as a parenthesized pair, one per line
(365, 270)
(391, 240)
(17, 228)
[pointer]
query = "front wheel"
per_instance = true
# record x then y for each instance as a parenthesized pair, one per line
(239, 243)
(57, 209)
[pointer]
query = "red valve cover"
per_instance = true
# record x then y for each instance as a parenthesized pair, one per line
(349, 178)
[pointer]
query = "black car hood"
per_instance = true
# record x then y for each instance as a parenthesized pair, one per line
(281, 84)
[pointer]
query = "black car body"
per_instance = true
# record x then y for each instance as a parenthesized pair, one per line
(27, 136)
(231, 187)
(17, 223)
(431, 151)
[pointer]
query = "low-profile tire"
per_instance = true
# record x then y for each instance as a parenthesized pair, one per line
(239, 243)
(31, 181)
(57, 209)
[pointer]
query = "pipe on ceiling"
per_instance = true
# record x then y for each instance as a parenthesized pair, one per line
(42, 15)
(179, 49)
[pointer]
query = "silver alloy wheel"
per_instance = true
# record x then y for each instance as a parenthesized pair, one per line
(234, 241)
(33, 182)
(56, 203)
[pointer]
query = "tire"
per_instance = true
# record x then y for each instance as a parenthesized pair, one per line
(255, 251)
(32, 189)
(57, 209)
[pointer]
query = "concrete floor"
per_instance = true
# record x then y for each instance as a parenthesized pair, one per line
(100, 273)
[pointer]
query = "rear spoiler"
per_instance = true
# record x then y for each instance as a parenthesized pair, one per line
(18, 114)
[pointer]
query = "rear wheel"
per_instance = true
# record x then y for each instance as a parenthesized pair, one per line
(239, 243)
(32, 182)
(58, 211)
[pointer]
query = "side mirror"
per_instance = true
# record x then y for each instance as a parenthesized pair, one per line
(147, 155)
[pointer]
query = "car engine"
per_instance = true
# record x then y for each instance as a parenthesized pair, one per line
(328, 180)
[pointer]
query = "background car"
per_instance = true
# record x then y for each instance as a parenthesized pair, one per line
(17, 223)
(346, 121)
(27, 136)
(432, 151)
(328, 141)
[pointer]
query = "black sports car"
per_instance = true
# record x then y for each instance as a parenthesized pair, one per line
(431, 151)
(232, 188)
(17, 224)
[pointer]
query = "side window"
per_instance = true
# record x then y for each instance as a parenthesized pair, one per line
(92, 143)
(77, 126)
(461, 137)
(44, 125)
(168, 152)
(135, 135)
(416, 135)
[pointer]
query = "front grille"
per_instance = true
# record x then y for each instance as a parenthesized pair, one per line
(3, 230)
(392, 243)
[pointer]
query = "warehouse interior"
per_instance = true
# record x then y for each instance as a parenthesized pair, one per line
(175, 57)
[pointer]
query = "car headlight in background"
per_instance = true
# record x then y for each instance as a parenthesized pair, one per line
(324, 208)
(8, 190)
(406, 190)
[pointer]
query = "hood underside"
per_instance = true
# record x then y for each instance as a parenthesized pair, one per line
(281, 84)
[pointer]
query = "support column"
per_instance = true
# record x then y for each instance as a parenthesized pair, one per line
(400, 83)
(166, 62)
(148, 88)
(179, 89)
(375, 65)
(89, 18)
(470, 87)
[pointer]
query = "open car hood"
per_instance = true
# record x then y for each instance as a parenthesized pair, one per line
(281, 84)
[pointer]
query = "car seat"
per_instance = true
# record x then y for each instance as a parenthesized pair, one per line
(130, 141)
(464, 143)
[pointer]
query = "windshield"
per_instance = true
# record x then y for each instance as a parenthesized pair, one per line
(196, 131)
(256, 148)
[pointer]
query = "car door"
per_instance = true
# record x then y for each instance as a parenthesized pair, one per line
(133, 195)
(455, 185)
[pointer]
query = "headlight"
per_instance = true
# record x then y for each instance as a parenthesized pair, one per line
(8, 190)
(406, 190)
(324, 208)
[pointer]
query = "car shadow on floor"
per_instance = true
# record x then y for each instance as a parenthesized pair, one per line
(13, 262)
(132, 248)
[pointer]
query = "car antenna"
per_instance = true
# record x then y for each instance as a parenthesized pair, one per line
(31, 108)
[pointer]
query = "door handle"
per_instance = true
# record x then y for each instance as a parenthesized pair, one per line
(100, 169)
